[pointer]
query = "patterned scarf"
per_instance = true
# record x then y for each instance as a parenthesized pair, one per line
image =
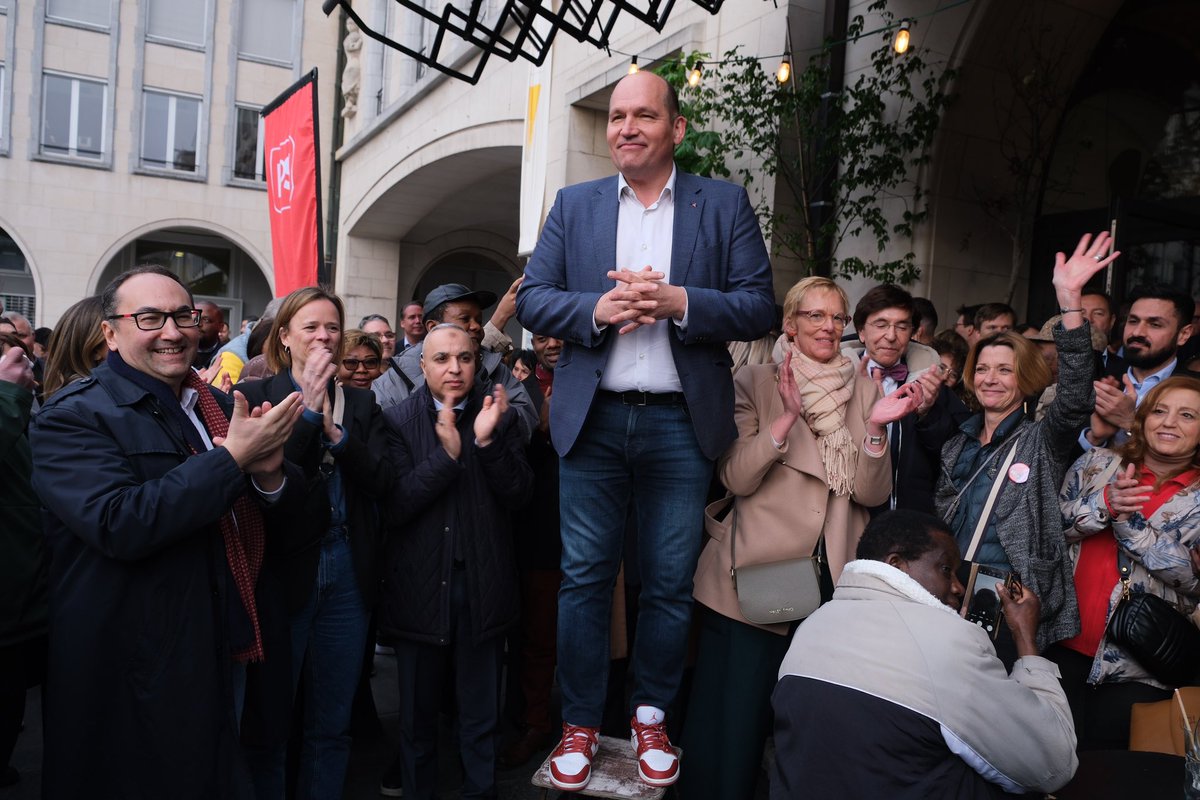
(242, 528)
(825, 390)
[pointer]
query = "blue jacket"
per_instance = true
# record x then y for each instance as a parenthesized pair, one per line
(717, 253)
(139, 702)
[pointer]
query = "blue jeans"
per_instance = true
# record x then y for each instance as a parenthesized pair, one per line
(328, 638)
(647, 455)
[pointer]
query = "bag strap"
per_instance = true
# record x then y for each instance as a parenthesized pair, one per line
(953, 508)
(997, 482)
(819, 552)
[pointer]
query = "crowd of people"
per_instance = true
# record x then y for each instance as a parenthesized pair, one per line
(208, 536)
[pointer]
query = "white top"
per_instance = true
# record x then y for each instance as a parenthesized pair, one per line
(642, 360)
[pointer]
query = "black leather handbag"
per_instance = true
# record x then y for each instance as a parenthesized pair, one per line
(1155, 633)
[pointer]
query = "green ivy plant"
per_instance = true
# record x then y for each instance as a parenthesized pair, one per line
(864, 145)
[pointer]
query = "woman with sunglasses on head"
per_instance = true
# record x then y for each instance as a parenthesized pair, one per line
(810, 459)
(998, 490)
(326, 568)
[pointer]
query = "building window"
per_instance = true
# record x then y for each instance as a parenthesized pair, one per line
(267, 30)
(248, 160)
(177, 21)
(73, 122)
(170, 131)
(89, 12)
(3, 97)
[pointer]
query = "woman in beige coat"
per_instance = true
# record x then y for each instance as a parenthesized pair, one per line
(810, 458)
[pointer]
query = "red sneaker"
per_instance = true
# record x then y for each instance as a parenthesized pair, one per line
(657, 763)
(571, 761)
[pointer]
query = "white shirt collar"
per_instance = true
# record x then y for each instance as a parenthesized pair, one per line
(668, 189)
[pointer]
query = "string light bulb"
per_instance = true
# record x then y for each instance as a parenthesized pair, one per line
(901, 42)
(633, 67)
(694, 75)
(785, 69)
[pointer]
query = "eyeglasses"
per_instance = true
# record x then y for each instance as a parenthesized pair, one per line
(817, 318)
(155, 320)
(883, 325)
(353, 364)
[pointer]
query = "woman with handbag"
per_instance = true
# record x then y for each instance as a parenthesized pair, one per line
(321, 578)
(1133, 515)
(810, 458)
(998, 490)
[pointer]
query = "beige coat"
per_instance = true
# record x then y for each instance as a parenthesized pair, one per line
(782, 497)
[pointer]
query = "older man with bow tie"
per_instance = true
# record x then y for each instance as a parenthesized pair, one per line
(885, 320)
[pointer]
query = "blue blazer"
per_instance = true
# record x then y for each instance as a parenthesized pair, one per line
(717, 253)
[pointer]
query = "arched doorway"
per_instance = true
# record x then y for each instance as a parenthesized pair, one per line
(1127, 155)
(18, 291)
(213, 267)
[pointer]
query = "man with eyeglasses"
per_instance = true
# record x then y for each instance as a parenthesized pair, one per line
(212, 318)
(885, 319)
(155, 489)
(377, 325)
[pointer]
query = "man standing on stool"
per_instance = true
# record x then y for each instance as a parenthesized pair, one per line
(643, 401)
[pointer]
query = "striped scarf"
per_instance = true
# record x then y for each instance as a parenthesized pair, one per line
(825, 390)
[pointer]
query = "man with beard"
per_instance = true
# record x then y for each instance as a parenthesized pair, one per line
(1159, 321)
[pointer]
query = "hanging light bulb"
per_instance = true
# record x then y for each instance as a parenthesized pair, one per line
(633, 67)
(785, 69)
(694, 75)
(900, 43)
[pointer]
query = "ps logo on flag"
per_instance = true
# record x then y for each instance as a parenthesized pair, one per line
(279, 170)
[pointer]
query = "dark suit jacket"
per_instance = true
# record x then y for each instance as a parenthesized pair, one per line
(717, 253)
(366, 480)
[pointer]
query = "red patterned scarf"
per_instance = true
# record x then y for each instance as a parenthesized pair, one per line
(242, 527)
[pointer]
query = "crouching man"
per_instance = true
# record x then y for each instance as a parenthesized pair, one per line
(887, 692)
(450, 588)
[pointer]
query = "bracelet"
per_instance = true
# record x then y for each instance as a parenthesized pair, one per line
(1069, 310)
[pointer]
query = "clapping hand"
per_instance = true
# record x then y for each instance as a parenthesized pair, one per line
(488, 418)
(899, 403)
(256, 437)
(793, 404)
(1117, 407)
(930, 381)
(1126, 494)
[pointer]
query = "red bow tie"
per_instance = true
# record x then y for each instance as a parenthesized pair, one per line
(897, 372)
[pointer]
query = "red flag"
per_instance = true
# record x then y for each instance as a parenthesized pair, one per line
(293, 173)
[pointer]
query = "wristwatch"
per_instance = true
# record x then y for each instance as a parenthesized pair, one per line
(874, 441)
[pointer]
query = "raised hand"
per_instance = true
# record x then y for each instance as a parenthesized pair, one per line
(793, 404)
(507, 306)
(447, 433)
(1126, 494)
(314, 379)
(486, 421)
(1089, 258)
(16, 368)
(930, 381)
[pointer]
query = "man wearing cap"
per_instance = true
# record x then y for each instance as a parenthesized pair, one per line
(644, 276)
(458, 305)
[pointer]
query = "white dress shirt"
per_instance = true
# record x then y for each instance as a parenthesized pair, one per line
(642, 360)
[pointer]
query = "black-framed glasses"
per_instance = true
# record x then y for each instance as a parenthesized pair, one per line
(154, 320)
(353, 364)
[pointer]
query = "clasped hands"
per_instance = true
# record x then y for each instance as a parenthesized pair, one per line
(639, 298)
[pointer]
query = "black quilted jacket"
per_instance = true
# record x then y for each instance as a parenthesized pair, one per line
(439, 501)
